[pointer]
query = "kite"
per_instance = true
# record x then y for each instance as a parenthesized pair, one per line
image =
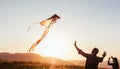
(47, 23)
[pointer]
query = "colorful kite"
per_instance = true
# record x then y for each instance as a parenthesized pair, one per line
(48, 22)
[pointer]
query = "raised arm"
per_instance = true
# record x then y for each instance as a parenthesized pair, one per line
(77, 47)
(80, 51)
(104, 54)
(109, 62)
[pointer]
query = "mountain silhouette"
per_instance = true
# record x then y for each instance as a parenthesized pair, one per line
(31, 57)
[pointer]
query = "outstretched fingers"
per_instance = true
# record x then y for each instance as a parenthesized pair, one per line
(104, 54)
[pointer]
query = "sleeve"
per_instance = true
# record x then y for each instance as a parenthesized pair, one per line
(101, 59)
(83, 53)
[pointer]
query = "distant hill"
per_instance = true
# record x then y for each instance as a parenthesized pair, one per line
(31, 57)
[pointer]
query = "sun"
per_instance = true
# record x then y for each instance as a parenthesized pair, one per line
(51, 48)
(53, 51)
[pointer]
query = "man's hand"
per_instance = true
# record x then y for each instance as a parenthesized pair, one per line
(104, 54)
(112, 57)
(75, 43)
(109, 59)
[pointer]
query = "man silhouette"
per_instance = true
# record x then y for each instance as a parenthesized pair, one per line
(92, 60)
(114, 64)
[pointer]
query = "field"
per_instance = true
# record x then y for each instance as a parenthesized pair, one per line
(36, 65)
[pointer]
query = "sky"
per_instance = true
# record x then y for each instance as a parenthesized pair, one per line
(92, 23)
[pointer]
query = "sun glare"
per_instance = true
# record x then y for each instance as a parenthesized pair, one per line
(52, 48)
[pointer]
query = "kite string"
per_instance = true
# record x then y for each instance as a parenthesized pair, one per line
(31, 26)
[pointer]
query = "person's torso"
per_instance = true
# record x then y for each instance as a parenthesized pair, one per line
(92, 62)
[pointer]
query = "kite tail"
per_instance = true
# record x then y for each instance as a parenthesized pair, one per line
(31, 26)
(33, 46)
(39, 40)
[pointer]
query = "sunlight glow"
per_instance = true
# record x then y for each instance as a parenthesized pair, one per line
(51, 47)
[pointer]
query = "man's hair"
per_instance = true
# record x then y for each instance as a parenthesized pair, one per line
(95, 51)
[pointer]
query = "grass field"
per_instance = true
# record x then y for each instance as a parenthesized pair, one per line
(36, 65)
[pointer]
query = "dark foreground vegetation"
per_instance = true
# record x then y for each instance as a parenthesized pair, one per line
(36, 65)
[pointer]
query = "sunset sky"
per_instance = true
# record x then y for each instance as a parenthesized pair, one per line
(92, 23)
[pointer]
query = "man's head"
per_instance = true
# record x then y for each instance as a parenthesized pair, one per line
(115, 59)
(95, 51)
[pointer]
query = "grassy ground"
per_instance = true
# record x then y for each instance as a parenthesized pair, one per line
(36, 65)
